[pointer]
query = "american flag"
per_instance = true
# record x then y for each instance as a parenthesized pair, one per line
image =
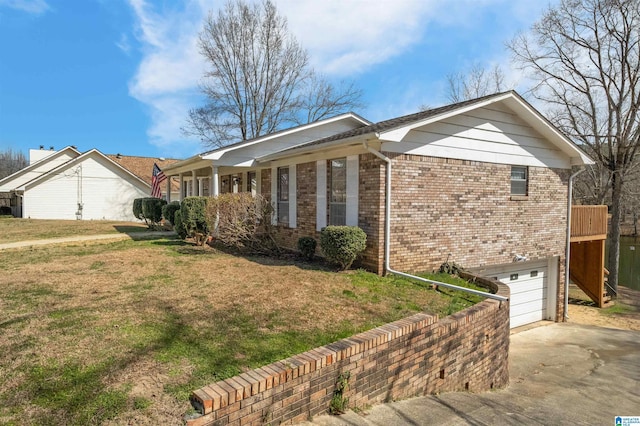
(156, 179)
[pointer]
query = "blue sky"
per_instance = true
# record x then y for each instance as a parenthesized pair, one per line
(120, 75)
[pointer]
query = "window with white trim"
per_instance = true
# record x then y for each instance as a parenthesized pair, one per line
(283, 195)
(338, 191)
(519, 180)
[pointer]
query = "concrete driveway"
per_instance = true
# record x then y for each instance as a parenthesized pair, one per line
(559, 374)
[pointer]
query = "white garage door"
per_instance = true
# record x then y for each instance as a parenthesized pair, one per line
(531, 297)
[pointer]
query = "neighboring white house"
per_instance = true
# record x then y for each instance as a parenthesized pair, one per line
(66, 184)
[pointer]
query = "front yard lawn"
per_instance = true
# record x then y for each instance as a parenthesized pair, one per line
(121, 333)
(12, 229)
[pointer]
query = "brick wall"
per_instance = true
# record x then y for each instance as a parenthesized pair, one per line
(305, 208)
(371, 210)
(445, 207)
(462, 210)
(415, 356)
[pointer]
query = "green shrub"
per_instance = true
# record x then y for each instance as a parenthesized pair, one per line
(152, 209)
(137, 208)
(342, 244)
(307, 247)
(177, 225)
(148, 209)
(193, 214)
(169, 211)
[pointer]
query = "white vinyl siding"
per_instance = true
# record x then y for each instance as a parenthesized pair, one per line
(106, 193)
(492, 134)
(35, 171)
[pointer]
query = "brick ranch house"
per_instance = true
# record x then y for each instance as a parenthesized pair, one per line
(483, 183)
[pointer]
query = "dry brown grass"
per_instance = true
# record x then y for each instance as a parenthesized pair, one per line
(120, 333)
(12, 229)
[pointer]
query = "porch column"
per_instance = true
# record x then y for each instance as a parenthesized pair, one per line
(244, 182)
(194, 188)
(215, 187)
(181, 187)
(201, 186)
(169, 189)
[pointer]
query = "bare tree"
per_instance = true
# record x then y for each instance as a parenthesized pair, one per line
(584, 56)
(476, 82)
(320, 99)
(11, 161)
(259, 79)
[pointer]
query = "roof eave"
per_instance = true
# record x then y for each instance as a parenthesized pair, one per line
(37, 163)
(397, 134)
(77, 159)
(292, 152)
(217, 154)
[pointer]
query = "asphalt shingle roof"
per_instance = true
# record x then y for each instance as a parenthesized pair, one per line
(142, 167)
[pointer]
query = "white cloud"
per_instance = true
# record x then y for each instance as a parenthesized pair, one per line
(347, 37)
(344, 39)
(35, 7)
(169, 71)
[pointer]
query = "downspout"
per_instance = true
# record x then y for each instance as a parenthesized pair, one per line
(387, 236)
(567, 252)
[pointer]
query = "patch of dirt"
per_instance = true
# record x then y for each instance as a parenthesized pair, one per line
(624, 314)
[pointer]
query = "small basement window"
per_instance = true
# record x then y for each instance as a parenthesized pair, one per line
(519, 180)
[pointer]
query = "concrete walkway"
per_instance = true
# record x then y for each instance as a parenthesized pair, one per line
(561, 374)
(83, 238)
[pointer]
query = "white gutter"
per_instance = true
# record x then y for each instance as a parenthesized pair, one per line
(387, 237)
(568, 247)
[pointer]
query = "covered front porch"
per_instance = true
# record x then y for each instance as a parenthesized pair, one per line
(204, 178)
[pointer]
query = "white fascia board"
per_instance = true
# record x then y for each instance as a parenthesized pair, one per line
(38, 163)
(549, 131)
(182, 166)
(294, 152)
(521, 108)
(398, 134)
(217, 154)
(79, 159)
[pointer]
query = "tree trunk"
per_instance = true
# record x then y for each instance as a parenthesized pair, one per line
(614, 232)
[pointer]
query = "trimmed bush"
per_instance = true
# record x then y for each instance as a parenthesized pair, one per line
(342, 244)
(193, 214)
(177, 225)
(307, 247)
(152, 209)
(148, 209)
(137, 208)
(169, 211)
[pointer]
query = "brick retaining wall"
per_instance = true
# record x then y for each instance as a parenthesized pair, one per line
(414, 356)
